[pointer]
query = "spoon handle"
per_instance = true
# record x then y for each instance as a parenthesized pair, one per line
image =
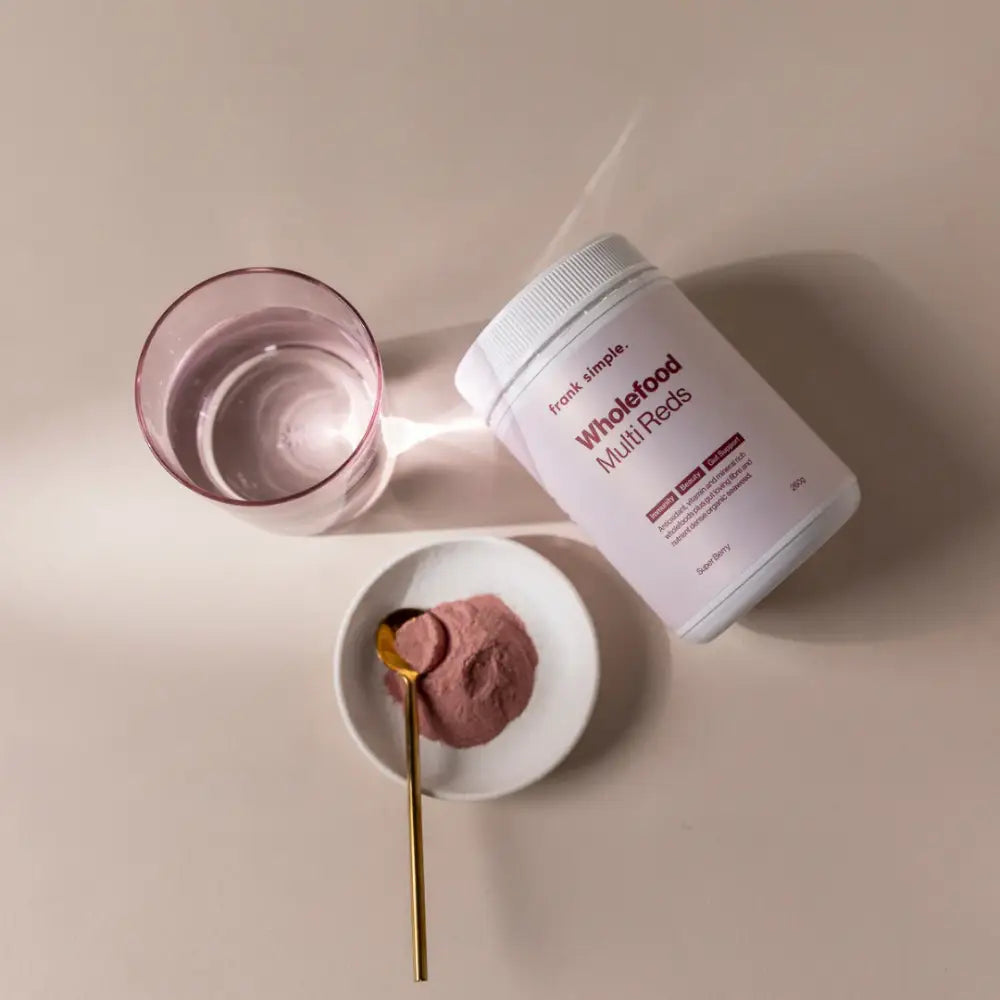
(418, 915)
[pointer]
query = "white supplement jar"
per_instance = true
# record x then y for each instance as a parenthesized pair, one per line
(688, 471)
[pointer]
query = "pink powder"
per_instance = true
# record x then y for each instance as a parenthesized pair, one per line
(477, 665)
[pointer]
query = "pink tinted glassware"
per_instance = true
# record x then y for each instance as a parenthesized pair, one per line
(261, 389)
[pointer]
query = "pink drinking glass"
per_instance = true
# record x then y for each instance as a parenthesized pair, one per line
(261, 389)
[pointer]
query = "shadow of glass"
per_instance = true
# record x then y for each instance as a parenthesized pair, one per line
(854, 354)
(634, 651)
(449, 471)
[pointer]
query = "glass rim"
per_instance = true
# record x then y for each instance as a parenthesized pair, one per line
(233, 501)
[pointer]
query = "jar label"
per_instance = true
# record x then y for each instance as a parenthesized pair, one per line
(684, 466)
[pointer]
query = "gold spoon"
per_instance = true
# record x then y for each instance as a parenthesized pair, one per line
(385, 646)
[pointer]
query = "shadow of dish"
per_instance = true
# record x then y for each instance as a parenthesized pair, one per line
(634, 651)
(855, 356)
(449, 470)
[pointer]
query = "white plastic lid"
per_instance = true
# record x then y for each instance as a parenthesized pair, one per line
(538, 312)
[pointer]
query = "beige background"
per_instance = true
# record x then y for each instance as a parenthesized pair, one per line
(807, 809)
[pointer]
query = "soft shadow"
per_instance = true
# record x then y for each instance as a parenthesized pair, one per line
(519, 900)
(854, 354)
(634, 651)
(450, 471)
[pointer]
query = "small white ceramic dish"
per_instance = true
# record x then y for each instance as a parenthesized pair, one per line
(565, 681)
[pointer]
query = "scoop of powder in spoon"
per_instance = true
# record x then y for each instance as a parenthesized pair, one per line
(422, 641)
(478, 680)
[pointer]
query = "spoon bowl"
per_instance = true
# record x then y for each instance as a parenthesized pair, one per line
(385, 641)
